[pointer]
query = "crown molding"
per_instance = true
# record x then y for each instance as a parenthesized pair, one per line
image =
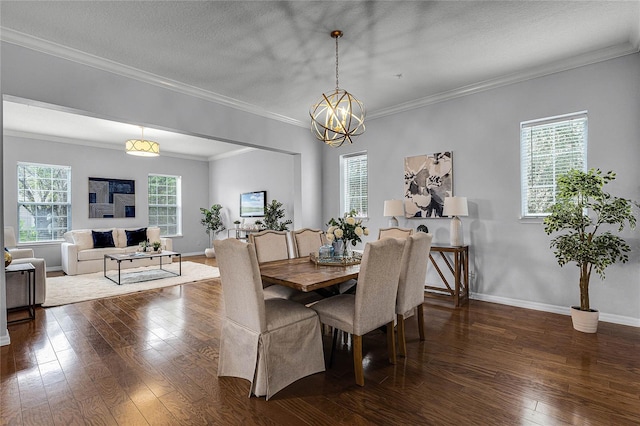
(589, 58)
(95, 144)
(80, 57)
(64, 52)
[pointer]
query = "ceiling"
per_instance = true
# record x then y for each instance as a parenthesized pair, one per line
(275, 58)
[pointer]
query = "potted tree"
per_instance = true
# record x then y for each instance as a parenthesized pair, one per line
(581, 209)
(273, 212)
(213, 224)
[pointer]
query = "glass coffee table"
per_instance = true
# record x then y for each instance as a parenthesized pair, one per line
(132, 257)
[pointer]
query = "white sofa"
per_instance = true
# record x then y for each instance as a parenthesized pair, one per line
(79, 256)
(17, 290)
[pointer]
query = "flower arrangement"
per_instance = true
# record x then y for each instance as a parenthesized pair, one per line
(346, 228)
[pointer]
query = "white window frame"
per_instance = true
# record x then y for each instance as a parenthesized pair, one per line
(53, 232)
(546, 166)
(345, 195)
(153, 218)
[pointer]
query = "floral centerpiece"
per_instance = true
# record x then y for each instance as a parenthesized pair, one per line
(347, 229)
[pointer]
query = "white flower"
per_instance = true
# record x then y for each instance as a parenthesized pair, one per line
(330, 237)
(338, 233)
(350, 220)
(366, 231)
(359, 231)
(331, 229)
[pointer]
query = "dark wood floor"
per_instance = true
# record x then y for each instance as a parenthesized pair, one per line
(151, 358)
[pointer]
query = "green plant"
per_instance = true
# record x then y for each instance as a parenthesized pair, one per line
(212, 220)
(156, 245)
(582, 207)
(346, 228)
(273, 212)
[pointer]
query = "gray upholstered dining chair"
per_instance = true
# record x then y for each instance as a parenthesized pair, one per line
(306, 241)
(272, 343)
(394, 232)
(373, 304)
(413, 274)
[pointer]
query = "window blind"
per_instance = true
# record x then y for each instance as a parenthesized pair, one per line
(548, 148)
(355, 193)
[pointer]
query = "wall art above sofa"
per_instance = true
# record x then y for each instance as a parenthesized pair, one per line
(109, 198)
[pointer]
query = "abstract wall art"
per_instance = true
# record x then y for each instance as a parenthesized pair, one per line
(109, 198)
(428, 179)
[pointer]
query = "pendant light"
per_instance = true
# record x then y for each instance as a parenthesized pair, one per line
(338, 116)
(142, 147)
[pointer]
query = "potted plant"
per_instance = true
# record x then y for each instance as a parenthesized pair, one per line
(156, 245)
(236, 223)
(273, 212)
(582, 207)
(213, 224)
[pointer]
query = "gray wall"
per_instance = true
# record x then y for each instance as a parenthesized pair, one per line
(511, 257)
(253, 171)
(108, 163)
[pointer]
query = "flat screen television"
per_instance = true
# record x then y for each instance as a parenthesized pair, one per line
(252, 204)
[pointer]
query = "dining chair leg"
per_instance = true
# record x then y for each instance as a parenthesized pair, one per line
(402, 343)
(357, 359)
(391, 343)
(333, 346)
(420, 316)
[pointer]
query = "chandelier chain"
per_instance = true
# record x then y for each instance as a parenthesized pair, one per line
(337, 63)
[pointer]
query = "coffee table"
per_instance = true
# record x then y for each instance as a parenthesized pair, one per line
(131, 257)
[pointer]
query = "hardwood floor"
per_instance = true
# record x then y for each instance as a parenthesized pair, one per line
(151, 358)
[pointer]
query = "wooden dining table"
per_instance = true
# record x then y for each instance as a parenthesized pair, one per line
(304, 275)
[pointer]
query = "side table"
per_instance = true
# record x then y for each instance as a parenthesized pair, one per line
(459, 270)
(30, 270)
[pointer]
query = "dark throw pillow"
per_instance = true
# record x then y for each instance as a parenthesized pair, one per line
(136, 237)
(102, 239)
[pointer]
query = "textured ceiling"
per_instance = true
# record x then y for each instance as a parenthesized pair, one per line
(276, 57)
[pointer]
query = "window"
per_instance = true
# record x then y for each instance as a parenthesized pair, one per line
(165, 204)
(44, 202)
(548, 148)
(355, 194)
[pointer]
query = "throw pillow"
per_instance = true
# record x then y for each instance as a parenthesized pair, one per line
(102, 239)
(83, 239)
(135, 237)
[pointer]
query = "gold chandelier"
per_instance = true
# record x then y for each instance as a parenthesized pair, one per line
(142, 147)
(338, 116)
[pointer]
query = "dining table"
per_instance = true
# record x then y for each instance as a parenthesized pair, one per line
(305, 275)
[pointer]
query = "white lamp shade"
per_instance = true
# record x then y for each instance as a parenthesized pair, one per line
(393, 208)
(455, 206)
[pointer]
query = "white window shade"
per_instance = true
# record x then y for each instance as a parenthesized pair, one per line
(549, 148)
(355, 193)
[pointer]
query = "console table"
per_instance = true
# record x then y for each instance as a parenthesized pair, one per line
(459, 270)
(30, 270)
(242, 233)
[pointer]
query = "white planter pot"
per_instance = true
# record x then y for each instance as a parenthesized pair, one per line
(210, 252)
(585, 321)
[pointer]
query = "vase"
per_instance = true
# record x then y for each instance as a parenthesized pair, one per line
(338, 248)
(584, 321)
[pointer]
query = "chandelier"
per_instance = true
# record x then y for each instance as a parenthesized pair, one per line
(142, 147)
(338, 116)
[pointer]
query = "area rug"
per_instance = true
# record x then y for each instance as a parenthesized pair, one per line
(78, 288)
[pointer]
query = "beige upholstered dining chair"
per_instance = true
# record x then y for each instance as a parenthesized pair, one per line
(394, 233)
(270, 245)
(272, 343)
(373, 304)
(413, 274)
(306, 241)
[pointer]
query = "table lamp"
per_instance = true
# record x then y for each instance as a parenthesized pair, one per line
(393, 208)
(454, 207)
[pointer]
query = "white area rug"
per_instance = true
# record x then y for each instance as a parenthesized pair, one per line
(78, 288)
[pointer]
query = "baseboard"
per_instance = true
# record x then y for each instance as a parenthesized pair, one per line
(5, 339)
(562, 310)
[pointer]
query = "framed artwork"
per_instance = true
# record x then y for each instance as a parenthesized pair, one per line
(428, 179)
(109, 198)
